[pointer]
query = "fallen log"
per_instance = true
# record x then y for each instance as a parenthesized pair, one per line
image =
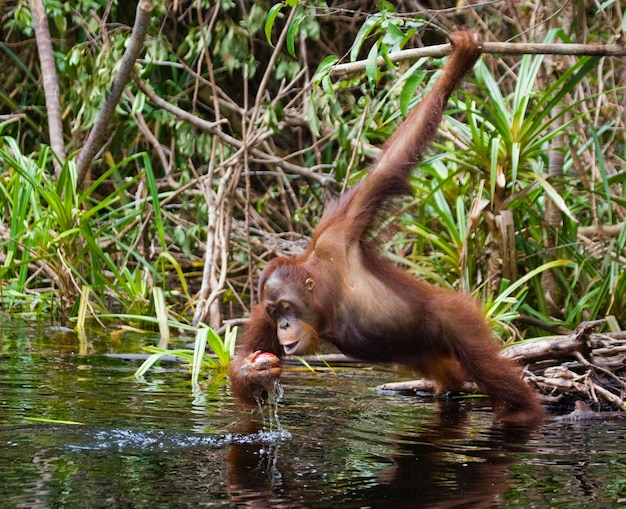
(422, 385)
(560, 347)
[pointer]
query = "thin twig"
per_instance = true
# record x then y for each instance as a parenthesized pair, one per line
(247, 188)
(211, 128)
(609, 396)
(271, 66)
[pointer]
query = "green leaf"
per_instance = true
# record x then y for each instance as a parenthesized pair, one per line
(271, 18)
(156, 208)
(292, 34)
(408, 90)
(493, 163)
(506, 293)
(179, 270)
(555, 196)
(386, 6)
(555, 93)
(361, 36)
(198, 353)
(371, 65)
(515, 162)
(52, 421)
(327, 86)
(603, 173)
(219, 347)
(324, 68)
(393, 36)
(160, 309)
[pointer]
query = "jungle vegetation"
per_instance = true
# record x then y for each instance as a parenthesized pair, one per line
(154, 155)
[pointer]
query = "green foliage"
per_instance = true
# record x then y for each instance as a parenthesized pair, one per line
(503, 308)
(62, 231)
(198, 359)
(500, 165)
(507, 137)
(261, 73)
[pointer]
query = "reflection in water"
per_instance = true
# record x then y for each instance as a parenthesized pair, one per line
(413, 458)
(431, 471)
(440, 466)
(91, 463)
(426, 470)
(253, 476)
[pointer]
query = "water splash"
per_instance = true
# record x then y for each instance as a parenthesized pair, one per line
(274, 396)
(127, 440)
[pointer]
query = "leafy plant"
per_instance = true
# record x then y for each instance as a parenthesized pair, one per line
(63, 232)
(497, 177)
(506, 136)
(503, 308)
(198, 359)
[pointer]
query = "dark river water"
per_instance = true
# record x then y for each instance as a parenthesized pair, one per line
(78, 430)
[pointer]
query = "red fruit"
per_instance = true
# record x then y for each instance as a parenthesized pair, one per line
(265, 357)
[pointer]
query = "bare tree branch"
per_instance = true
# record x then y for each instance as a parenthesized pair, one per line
(50, 81)
(503, 48)
(211, 128)
(611, 230)
(94, 140)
